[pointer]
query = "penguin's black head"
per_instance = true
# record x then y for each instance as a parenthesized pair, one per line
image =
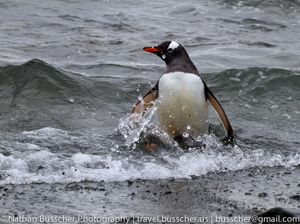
(175, 57)
(167, 51)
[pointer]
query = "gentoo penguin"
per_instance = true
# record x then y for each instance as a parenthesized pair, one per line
(182, 108)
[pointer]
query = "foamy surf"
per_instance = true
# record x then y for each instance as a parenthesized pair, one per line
(44, 160)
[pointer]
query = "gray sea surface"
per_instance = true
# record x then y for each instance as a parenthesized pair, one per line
(71, 72)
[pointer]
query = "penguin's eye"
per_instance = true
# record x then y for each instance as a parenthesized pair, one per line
(170, 50)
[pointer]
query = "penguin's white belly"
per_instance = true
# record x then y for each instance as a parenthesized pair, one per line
(182, 105)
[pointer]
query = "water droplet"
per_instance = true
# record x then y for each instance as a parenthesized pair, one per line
(274, 107)
(188, 127)
(163, 56)
(261, 74)
(286, 116)
(71, 100)
(185, 135)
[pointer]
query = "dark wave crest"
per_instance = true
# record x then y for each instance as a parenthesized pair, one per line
(255, 85)
(35, 94)
(260, 102)
(34, 80)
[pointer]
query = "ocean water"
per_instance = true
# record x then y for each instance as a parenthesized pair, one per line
(71, 72)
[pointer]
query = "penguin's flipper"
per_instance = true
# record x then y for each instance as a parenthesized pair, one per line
(147, 102)
(218, 108)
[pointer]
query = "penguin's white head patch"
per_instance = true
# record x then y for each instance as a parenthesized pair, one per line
(173, 45)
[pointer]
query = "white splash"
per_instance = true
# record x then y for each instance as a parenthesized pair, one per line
(44, 159)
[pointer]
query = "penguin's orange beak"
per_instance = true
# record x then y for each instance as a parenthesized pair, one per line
(151, 49)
